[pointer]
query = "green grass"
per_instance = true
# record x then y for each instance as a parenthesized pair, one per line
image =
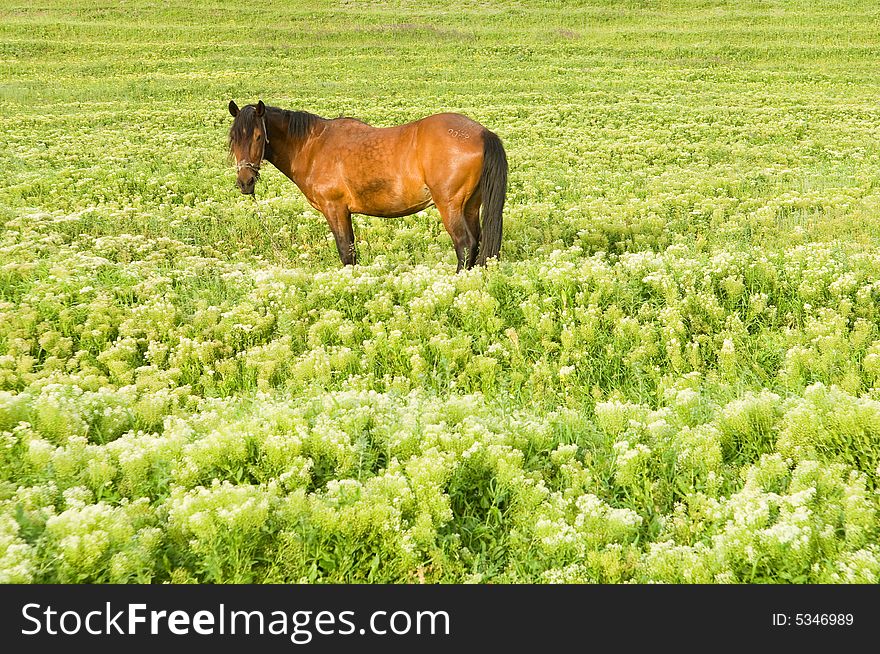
(672, 374)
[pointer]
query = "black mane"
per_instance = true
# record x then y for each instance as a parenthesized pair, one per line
(299, 123)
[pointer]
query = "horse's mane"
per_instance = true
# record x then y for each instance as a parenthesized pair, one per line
(299, 123)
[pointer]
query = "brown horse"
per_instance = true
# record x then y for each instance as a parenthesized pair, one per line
(344, 166)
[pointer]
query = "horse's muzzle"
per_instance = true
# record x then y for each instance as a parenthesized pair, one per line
(246, 188)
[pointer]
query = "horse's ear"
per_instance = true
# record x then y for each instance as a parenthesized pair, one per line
(233, 108)
(261, 108)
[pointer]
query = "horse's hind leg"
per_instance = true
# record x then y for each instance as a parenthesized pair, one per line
(339, 219)
(472, 219)
(462, 240)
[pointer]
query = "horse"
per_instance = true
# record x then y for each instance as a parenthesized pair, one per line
(345, 166)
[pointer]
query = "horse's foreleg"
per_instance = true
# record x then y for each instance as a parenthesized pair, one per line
(462, 239)
(339, 219)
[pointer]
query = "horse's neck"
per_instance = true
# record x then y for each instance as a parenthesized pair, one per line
(286, 150)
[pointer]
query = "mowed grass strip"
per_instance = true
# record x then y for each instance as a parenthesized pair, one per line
(671, 375)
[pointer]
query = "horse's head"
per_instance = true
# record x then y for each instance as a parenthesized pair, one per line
(248, 137)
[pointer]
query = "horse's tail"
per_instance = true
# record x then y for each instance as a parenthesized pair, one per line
(493, 189)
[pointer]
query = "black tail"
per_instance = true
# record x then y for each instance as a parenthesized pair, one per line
(493, 189)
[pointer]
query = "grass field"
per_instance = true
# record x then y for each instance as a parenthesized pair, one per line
(673, 373)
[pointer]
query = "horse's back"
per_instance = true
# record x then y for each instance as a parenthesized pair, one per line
(450, 121)
(456, 125)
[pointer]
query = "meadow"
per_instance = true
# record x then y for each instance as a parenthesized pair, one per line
(671, 375)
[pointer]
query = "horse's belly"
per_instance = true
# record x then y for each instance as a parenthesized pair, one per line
(390, 212)
(387, 200)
